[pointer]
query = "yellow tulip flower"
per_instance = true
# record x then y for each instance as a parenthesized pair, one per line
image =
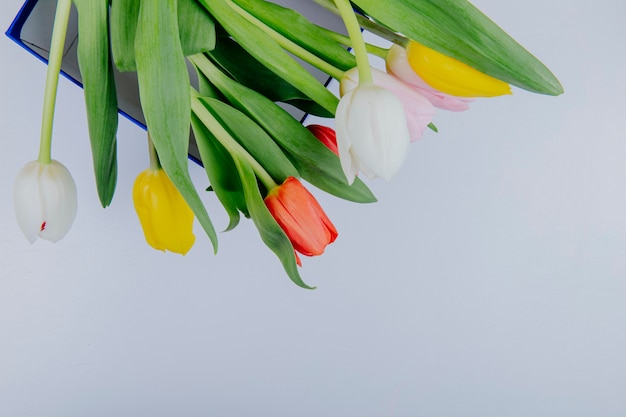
(451, 76)
(165, 217)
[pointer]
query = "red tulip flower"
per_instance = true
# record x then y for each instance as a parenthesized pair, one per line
(326, 135)
(301, 217)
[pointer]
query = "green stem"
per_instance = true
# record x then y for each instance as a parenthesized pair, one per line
(371, 49)
(155, 163)
(358, 44)
(368, 25)
(225, 138)
(57, 45)
(288, 44)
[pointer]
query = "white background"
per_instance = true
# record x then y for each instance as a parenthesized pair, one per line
(489, 279)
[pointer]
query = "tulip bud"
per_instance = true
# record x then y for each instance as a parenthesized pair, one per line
(451, 76)
(166, 219)
(326, 135)
(301, 217)
(372, 132)
(419, 111)
(44, 198)
(398, 65)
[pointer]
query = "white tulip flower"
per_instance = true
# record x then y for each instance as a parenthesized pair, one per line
(372, 132)
(45, 200)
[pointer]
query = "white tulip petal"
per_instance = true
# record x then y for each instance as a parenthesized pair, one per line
(45, 200)
(26, 202)
(372, 132)
(344, 143)
(58, 201)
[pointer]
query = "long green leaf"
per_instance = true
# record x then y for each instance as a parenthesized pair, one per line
(165, 97)
(271, 233)
(100, 95)
(222, 173)
(458, 29)
(196, 30)
(196, 26)
(269, 53)
(124, 15)
(253, 138)
(244, 68)
(300, 30)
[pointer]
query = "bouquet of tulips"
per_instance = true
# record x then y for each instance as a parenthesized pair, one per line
(247, 55)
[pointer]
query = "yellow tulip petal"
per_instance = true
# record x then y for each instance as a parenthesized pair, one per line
(165, 217)
(451, 76)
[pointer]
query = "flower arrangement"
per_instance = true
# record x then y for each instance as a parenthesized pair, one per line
(443, 55)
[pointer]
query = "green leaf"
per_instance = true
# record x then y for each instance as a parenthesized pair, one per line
(244, 68)
(222, 173)
(269, 53)
(124, 15)
(271, 233)
(196, 30)
(300, 30)
(315, 162)
(164, 91)
(100, 95)
(253, 138)
(196, 26)
(458, 29)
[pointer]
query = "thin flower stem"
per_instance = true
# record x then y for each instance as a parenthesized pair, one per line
(155, 163)
(225, 138)
(371, 49)
(57, 45)
(368, 24)
(358, 44)
(288, 44)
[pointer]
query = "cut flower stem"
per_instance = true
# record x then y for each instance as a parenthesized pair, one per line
(55, 58)
(288, 44)
(358, 44)
(225, 138)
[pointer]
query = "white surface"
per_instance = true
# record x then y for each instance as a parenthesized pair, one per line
(490, 279)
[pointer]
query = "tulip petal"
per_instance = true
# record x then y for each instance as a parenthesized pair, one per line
(45, 201)
(58, 193)
(398, 65)
(165, 217)
(26, 200)
(372, 132)
(419, 110)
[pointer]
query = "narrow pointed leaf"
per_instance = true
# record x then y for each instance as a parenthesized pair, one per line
(271, 233)
(221, 171)
(253, 138)
(164, 91)
(300, 30)
(196, 26)
(244, 68)
(196, 30)
(124, 15)
(269, 53)
(458, 29)
(99, 90)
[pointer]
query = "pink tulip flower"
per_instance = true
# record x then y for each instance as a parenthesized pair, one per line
(398, 66)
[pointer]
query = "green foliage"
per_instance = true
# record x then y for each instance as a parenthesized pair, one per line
(458, 29)
(271, 233)
(245, 69)
(100, 97)
(165, 97)
(300, 30)
(315, 162)
(261, 46)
